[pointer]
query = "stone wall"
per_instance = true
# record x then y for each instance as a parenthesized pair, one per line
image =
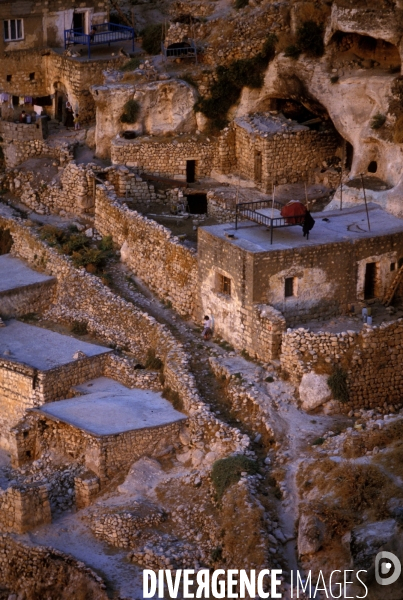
(23, 387)
(105, 455)
(46, 572)
(23, 508)
(53, 74)
(74, 193)
(18, 151)
(128, 184)
(81, 296)
(371, 358)
(24, 132)
(34, 298)
(166, 158)
(167, 267)
(286, 157)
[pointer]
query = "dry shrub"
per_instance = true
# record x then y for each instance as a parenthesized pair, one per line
(285, 39)
(392, 461)
(241, 523)
(368, 440)
(227, 471)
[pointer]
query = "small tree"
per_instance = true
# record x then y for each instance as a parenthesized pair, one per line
(131, 112)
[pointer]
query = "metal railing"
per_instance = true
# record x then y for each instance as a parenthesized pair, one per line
(185, 50)
(248, 210)
(104, 33)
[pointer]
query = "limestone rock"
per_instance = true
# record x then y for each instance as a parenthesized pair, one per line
(310, 534)
(314, 390)
(125, 252)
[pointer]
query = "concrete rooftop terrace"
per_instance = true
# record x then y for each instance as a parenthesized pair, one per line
(108, 407)
(348, 225)
(15, 274)
(41, 348)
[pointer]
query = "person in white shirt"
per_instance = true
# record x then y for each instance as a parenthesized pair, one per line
(207, 328)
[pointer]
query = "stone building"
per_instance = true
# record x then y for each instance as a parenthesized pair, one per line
(33, 25)
(270, 149)
(254, 289)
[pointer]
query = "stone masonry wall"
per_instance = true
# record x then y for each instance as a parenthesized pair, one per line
(31, 299)
(81, 296)
(46, 572)
(371, 358)
(165, 159)
(23, 508)
(106, 455)
(74, 193)
(286, 157)
(165, 265)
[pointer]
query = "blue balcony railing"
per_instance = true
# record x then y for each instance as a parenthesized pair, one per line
(102, 34)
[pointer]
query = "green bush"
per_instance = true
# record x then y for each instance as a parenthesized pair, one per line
(131, 65)
(310, 38)
(377, 121)
(338, 384)
(227, 87)
(241, 3)
(75, 242)
(152, 37)
(89, 256)
(227, 471)
(131, 112)
(292, 51)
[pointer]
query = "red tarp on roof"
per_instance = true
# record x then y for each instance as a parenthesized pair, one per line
(294, 211)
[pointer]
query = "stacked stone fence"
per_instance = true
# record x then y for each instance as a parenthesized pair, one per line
(166, 158)
(24, 132)
(18, 151)
(167, 267)
(46, 572)
(104, 455)
(371, 359)
(23, 508)
(74, 193)
(82, 296)
(128, 184)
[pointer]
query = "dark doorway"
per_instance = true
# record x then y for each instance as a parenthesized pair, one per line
(190, 171)
(258, 167)
(78, 21)
(59, 106)
(197, 204)
(373, 166)
(349, 156)
(6, 241)
(370, 281)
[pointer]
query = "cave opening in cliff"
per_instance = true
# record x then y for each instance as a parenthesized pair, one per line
(365, 52)
(6, 241)
(373, 166)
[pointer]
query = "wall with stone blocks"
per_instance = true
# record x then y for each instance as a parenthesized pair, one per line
(286, 157)
(24, 132)
(82, 296)
(18, 151)
(46, 572)
(121, 528)
(371, 358)
(23, 508)
(21, 301)
(74, 193)
(23, 387)
(165, 158)
(106, 455)
(163, 263)
(129, 185)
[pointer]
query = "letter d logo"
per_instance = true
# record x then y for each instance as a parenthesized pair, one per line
(386, 564)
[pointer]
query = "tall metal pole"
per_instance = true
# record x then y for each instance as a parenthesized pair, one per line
(365, 199)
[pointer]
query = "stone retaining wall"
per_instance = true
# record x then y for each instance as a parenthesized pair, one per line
(37, 571)
(371, 359)
(166, 266)
(104, 455)
(24, 508)
(34, 298)
(165, 158)
(81, 296)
